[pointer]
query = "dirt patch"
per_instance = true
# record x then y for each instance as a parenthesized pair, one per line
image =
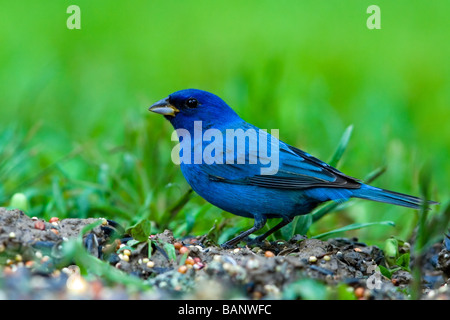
(31, 267)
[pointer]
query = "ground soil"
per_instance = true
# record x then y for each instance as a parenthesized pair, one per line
(31, 267)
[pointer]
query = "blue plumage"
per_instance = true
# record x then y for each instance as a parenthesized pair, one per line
(265, 178)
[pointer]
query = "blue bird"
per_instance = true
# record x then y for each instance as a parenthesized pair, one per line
(263, 179)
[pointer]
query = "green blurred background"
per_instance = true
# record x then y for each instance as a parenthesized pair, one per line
(77, 139)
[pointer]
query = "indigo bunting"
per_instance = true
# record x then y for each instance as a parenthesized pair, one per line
(261, 177)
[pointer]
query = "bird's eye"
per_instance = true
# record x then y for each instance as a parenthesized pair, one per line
(191, 103)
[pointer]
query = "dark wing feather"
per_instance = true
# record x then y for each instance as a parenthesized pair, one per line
(297, 170)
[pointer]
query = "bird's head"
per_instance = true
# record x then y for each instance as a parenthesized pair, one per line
(184, 107)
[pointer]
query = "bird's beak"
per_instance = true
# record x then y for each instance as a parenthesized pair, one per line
(164, 107)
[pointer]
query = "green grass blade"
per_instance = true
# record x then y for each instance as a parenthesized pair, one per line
(341, 147)
(353, 226)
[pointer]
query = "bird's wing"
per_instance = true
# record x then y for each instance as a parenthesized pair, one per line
(296, 169)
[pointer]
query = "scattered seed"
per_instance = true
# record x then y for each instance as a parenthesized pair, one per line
(252, 264)
(18, 258)
(189, 261)
(269, 254)
(326, 258)
(53, 219)
(127, 252)
(184, 250)
(150, 264)
(104, 221)
(312, 259)
(38, 254)
(34, 218)
(227, 266)
(357, 250)
(145, 260)
(217, 258)
(76, 283)
(182, 269)
(236, 250)
(359, 292)
(40, 225)
(443, 288)
(199, 266)
(124, 257)
(12, 235)
(177, 245)
(2, 248)
(29, 263)
(197, 259)
(54, 231)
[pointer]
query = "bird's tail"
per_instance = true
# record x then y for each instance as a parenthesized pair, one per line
(386, 196)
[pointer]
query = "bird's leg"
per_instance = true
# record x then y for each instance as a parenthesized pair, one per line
(260, 222)
(260, 238)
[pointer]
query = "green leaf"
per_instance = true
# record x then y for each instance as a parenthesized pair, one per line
(307, 289)
(170, 249)
(20, 201)
(141, 230)
(391, 251)
(403, 262)
(299, 225)
(353, 226)
(385, 272)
